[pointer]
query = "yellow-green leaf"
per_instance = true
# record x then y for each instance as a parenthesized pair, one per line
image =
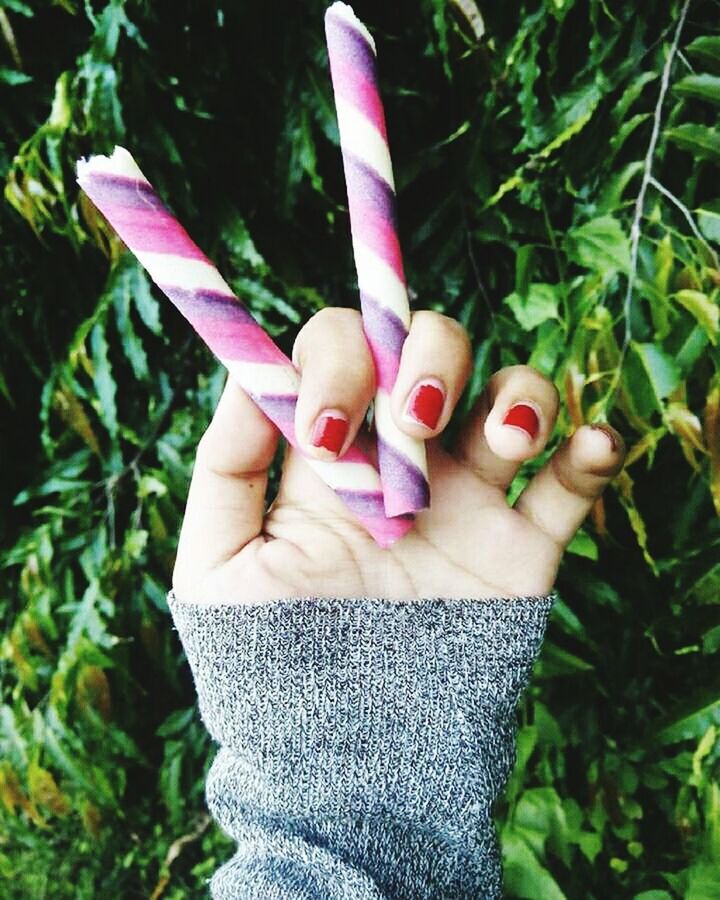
(703, 308)
(702, 87)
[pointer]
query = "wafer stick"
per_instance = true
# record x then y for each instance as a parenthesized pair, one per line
(186, 276)
(381, 277)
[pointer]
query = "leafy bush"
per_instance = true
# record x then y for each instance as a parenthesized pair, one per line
(557, 172)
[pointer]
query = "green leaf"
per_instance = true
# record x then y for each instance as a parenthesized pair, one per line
(132, 345)
(651, 375)
(600, 245)
(590, 844)
(540, 816)
(625, 130)
(706, 49)
(703, 86)
(706, 590)
(693, 721)
(525, 877)
(13, 76)
(557, 663)
(701, 141)
(177, 722)
(147, 306)
(704, 309)
(703, 881)
(583, 545)
(691, 349)
(18, 6)
(52, 486)
(573, 114)
(537, 306)
(711, 641)
(708, 219)
(103, 380)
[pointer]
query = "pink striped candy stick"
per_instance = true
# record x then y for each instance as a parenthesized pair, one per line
(381, 277)
(181, 270)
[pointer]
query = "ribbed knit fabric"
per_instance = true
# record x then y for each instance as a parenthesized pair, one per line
(362, 741)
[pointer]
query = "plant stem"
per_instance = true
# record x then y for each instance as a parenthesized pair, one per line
(635, 229)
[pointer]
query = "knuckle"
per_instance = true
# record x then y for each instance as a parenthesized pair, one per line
(327, 325)
(442, 328)
(535, 383)
(335, 317)
(568, 479)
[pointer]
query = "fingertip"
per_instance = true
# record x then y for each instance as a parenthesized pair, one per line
(517, 431)
(599, 449)
(423, 411)
(330, 435)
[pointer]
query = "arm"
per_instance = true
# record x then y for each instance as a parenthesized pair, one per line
(362, 741)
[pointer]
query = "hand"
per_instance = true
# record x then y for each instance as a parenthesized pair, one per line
(470, 543)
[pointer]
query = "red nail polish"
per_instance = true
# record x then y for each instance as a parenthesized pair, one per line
(523, 416)
(426, 404)
(330, 432)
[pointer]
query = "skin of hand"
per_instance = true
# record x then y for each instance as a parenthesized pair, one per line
(469, 543)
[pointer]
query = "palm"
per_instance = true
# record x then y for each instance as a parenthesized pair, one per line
(470, 543)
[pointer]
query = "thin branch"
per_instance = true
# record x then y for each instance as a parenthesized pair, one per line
(684, 60)
(476, 273)
(635, 229)
(10, 40)
(688, 217)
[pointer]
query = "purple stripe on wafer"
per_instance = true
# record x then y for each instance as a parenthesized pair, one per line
(278, 407)
(355, 88)
(385, 344)
(207, 304)
(117, 190)
(382, 325)
(372, 212)
(350, 45)
(370, 185)
(398, 469)
(368, 504)
(378, 236)
(224, 323)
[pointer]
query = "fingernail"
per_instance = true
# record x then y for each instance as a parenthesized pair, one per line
(522, 415)
(426, 404)
(330, 431)
(608, 434)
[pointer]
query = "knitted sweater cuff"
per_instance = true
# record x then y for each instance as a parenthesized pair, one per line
(365, 702)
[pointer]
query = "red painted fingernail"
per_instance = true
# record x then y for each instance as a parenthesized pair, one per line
(523, 416)
(426, 404)
(330, 432)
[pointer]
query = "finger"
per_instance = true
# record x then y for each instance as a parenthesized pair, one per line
(561, 494)
(226, 501)
(511, 422)
(435, 365)
(337, 382)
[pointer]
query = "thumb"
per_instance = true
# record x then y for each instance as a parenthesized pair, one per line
(226, 501)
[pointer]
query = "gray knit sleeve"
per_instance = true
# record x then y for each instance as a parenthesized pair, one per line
(362, 741)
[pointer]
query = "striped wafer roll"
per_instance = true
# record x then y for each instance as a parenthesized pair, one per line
(183, 273)
(381, 277)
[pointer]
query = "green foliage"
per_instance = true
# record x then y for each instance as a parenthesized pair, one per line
(520, 136)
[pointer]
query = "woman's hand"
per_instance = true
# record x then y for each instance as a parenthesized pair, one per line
(470, 543)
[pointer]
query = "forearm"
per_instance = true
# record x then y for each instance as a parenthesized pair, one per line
(363, 742)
